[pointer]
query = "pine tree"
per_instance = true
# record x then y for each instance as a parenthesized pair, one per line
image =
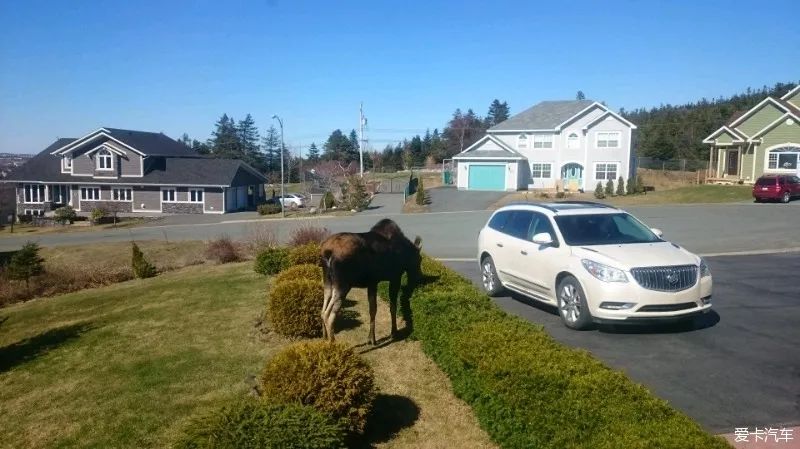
(580, 95)
(141, 267)
(599, 193)
(26, 263)
(630, 188)
(639, 185)
(224, 141)
(620, 186)
(313, 153)
(337, 147)
(352, 147)
(420, 199)
(357, 196)
(249, 140)
(609, 187)
(271, 147)
(498, 112)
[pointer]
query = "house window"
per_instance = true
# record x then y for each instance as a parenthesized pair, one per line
(522, 142)
(195, 195)
(90, 193)
(67, 161)
(541, 171)
(60, 194)
(608, 139)
(104, 160)
(543, 141)
(605, 171)
(168, 195)
(573, 142)
(34, 193)
(783, 158)
(34, 212)
(122, 194)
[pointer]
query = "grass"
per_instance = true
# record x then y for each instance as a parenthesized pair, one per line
(697, 194)
(28, 229)
(126, 365)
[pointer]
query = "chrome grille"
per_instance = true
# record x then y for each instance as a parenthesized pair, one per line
(666, 279)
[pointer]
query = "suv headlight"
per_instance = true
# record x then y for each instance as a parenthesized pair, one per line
(704, 271)
(604, 272)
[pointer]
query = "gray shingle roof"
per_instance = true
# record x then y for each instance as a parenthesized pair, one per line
(151, 144)
(185, 170)
(487, 153)
(545, 115)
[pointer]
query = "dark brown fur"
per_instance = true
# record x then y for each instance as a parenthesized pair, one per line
(361, 260)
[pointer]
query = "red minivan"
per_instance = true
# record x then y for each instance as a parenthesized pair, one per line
(776, 187)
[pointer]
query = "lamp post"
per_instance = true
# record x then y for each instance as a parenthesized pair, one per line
(280, 122)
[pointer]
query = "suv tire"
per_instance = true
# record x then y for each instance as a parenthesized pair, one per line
(489, 279)
(786, 197)
(572, 307)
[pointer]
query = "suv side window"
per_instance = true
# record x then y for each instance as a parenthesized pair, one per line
(499, 220)
(540, 223)
(518, 224)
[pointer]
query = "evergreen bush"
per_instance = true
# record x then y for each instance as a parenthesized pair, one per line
(141, 267)
(294, 307)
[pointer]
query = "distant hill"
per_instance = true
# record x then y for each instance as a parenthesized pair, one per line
(677, 131)
(9, 161)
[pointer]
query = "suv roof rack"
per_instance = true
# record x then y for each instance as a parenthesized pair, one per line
(587, 203)
(533, 203)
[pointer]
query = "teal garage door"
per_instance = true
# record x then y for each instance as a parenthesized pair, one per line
(487, 177)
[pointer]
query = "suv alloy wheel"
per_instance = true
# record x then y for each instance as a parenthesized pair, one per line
(572, 306)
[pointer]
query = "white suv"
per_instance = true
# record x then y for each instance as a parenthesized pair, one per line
(594, 262)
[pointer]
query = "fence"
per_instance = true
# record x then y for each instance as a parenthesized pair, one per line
(690, 165)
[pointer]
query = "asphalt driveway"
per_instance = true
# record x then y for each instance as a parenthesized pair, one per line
(450, 199)
(738, 366)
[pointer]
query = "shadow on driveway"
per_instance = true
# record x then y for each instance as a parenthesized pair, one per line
(450, 199)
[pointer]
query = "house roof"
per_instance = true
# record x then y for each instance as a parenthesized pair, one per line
(474, 151)
(143, 142)
(193, 170)
(545, 115)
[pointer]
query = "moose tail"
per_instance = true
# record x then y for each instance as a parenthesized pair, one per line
(326, 262)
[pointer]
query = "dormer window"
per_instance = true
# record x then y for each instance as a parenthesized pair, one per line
(543, 141)
(573, 141)
(522, 142)
(67, 162)
(104, 160)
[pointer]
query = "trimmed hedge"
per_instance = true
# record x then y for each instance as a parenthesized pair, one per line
(253, 424)
(271, 261)
(308, 253)
(311, 272)
(330, 377)
(294, 308)
(526, 389)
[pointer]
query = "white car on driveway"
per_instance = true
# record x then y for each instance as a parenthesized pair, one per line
(595, 263)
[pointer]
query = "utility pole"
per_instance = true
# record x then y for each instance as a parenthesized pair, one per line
(283, 207)
(361, 121)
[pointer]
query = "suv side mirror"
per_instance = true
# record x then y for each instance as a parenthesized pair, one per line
(657, 232)
(542, 238)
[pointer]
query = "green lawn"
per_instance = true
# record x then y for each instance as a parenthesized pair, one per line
(698, 194)
(123, 366)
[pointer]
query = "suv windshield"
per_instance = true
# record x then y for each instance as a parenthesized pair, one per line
(603, 229)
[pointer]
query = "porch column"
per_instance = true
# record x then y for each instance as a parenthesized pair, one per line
(710, 161)
(741, 158)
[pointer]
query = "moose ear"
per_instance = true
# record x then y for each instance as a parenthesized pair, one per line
(418, 242)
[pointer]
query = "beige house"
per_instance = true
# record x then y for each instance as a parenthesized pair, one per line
(763, 140)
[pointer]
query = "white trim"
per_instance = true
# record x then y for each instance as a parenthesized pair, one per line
(64, 148)
(99, 193)
(580, 113)
(41, 194)
(64, 168)
(578, 140)
(541, 135)
(480, 158)
(756, 108)
(532, 163)
(161, 191)
(494, 139)
(39, 214)
(520, 138)
(103, 132)
(786, 96)
(129, 188)
(616, 172)
(16, 181)
(775, 123)
(107, 146)
(711, 139)
(517, 131)
(604, 116)
(597, 139)
(778, 170)
(203, 194)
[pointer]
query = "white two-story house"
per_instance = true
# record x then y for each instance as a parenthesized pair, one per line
(572, 144)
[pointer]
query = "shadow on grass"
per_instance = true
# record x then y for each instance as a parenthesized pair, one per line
(26, 350)
(390, 414)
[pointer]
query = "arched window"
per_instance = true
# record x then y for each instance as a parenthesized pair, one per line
(783, 158)
(104, 160)
(573, 141)
(522, 142)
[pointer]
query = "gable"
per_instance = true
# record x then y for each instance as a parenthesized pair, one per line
(606, 117)
(793, 97)
(488, 146)
(760, 116)
(788, 130)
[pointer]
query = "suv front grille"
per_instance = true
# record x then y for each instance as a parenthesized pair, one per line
(667, 307)
(666, 279)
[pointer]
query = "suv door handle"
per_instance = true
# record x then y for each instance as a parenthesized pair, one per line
(499, 244)
(523, 252)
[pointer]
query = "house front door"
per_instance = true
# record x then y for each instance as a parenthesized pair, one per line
(733, 162)
(572, 176)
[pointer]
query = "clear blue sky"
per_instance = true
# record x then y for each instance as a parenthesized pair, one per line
(69, 67)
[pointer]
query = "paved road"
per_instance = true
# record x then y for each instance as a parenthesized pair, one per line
(700, 228)
(450, 199)
(385, 203)
(737, 367)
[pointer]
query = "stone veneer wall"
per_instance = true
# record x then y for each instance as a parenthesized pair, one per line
(182, 208)
(108, 206)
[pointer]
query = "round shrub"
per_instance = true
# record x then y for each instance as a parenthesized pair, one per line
(311, 272)
(268, 209)
(294, 308)
(304, 254)
(327, 376)
(271, 261)
(256, 424)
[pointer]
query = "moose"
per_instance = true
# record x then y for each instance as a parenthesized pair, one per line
(361, 260)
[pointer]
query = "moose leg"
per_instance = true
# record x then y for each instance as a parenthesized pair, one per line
(332, 308)
(326, 298)
(372, 297)
(394, 290)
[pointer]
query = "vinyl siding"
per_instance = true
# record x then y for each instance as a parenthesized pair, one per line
(756, 122)
(130, 165)
(724, 138)
(147, 198)
(781, 134)
(600, 155)
(82, 164)
(795, 99)
(746, 166)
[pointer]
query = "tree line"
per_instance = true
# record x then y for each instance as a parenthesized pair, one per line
(677, 131)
